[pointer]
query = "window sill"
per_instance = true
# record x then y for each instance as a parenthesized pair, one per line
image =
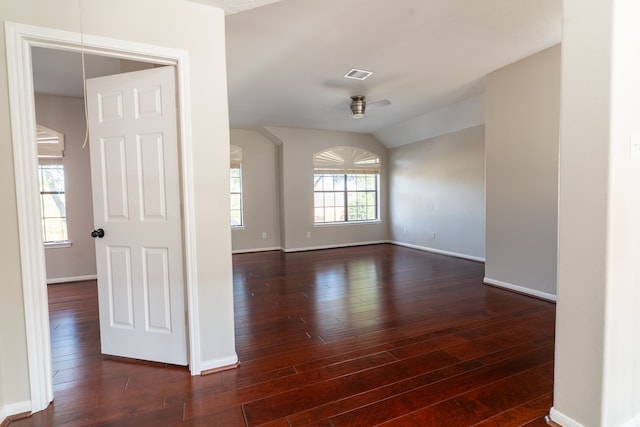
(343, 223)
(57, 245)
(237, 227)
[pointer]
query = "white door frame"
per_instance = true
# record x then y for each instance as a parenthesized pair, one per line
(19, 40)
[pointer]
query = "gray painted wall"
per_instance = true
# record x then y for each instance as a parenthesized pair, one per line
(522, 133)
(260, 194)
(297, 149)
(437, 193)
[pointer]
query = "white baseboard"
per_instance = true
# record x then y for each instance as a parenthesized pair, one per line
(14, 409)
(246, 251)
(559, 418)
(521, 289)
(339, 245)
(565, 421)
(71, 279)
(438, 251)
(208, 365)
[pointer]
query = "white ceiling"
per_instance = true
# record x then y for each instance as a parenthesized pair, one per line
(286, 60)
(59, 72)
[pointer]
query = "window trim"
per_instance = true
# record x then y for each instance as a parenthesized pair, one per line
(348, 160)
(58, 245)
(346, 195)
(52, 161)
(236, 163)
(239, 193)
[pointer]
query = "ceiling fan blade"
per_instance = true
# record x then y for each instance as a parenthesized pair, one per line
(379, 103)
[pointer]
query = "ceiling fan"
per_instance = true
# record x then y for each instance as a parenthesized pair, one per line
(358, 105)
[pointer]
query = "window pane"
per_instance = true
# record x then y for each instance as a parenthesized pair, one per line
(362, 182)
(338, 182)
(352, 198)
(371, 212)
(351, 183)
(53, 203)
(235, 188)
(330, 214)
(235, 185)
(53, 206)
(334, 214)
(353, 212)
(236, 202)
(327, 182)
(236, 219)
(360, 191)
(52, 178)
(362, 213)
(370, 182)
(329, 199)
(55, 229)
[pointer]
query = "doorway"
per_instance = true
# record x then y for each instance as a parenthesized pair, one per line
(21, 39)
(139, 261)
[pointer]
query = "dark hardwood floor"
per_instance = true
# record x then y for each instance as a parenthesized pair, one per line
(374, 335)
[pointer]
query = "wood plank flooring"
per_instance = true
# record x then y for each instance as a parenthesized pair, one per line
(364, 336)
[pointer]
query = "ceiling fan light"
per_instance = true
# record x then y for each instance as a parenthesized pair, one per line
(358, 106)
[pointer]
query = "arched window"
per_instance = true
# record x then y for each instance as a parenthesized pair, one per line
(235, 173)
(346, 185)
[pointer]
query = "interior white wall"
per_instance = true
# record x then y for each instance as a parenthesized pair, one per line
(297, 150)
(66, 115)
(622, 351)
(260, 194)
(522, 128)
(597, 362)
(436, 188)
(204, 40)
(14, 370)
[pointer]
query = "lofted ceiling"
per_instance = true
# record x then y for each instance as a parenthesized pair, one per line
(286, 61)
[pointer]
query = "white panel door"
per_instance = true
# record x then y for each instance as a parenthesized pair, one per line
(137, 216)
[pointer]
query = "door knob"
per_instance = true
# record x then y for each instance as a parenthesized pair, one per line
(99, 233)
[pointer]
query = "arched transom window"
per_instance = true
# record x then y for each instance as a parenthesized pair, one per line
(346, 185)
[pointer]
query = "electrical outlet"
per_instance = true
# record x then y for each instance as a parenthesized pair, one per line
(308, 234)
(404, 231)
(264, 234)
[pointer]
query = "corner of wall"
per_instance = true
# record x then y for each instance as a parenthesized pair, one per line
(563, 420)
(219, 364)
(521, 289)
(14, 411)
(521, 146)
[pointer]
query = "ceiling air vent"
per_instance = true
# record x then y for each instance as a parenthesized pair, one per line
(358, 74)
